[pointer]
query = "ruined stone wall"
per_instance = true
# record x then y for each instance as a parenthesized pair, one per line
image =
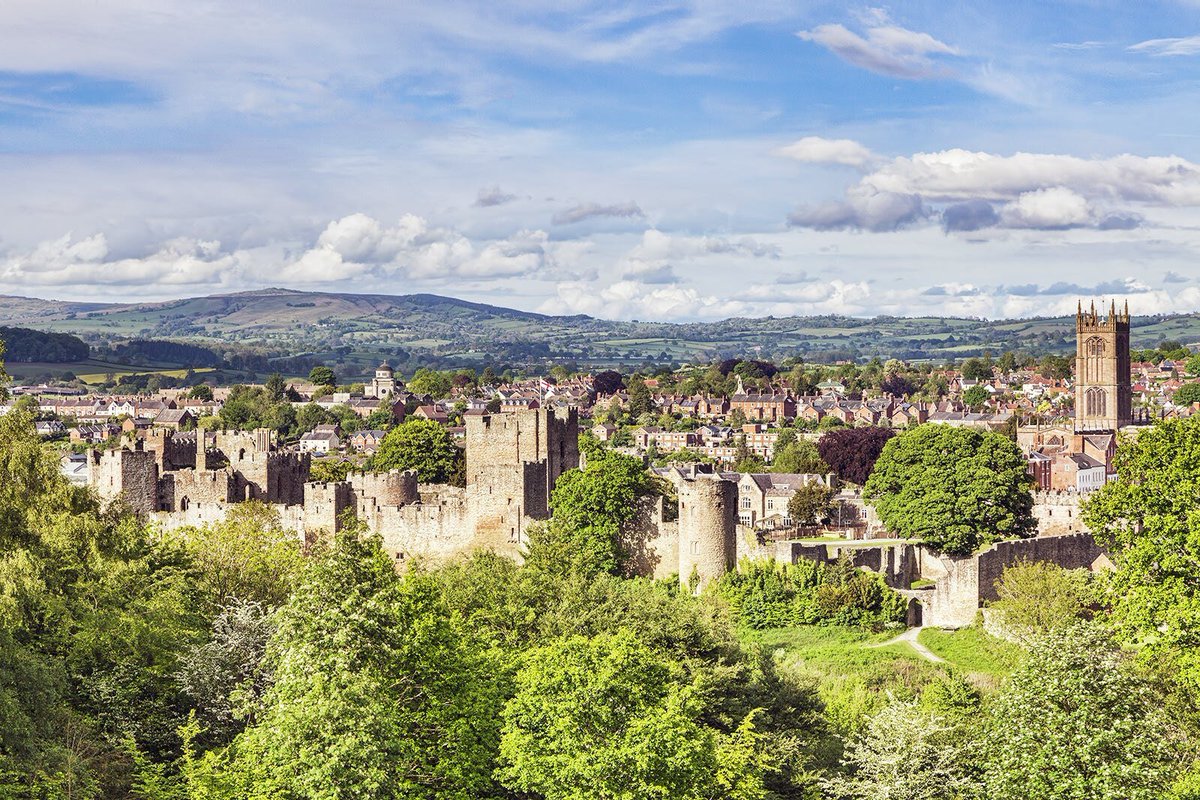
(432, 530)
(184, 489)
(324, 504)
(650, 544)
(131, 475)
(171, 450)
(514, 460)
(969, 582)
(707, 529)
(900, 563)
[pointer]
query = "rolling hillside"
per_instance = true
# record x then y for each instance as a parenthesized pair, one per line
(360, 329)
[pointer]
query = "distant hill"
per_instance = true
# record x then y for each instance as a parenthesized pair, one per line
(358, 330)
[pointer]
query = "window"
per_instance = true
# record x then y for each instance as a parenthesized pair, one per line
(771, 505)
(745, 503)
(1095, 402)
(1094, 346)
(695, 548)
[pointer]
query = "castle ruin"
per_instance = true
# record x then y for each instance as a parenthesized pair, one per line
(513, 461)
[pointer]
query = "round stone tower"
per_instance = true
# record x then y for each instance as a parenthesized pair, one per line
(707, 529)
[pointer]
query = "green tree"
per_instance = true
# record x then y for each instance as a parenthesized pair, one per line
(956, 489)
(1147, 520)
(375, 692)
(1075, 721)
(975, 397)
(247, 556)
(276, 386)
(1056, 367)
(1192, 366)
(592, 509)
(639, 398)
(330, 470)
(907, 751)
(1036, 597)
(1187, 394)
(322, 376)
(430, 382)
(419, 444)
(810, 504)
(799, 457)
(311, 415)
(3, 374)
(201, 391)
(976, 369)
(607, 718)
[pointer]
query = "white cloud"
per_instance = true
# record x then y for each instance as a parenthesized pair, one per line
(817, 150)
(354, 247)
(887, 49)
(64, 262)
(628, 299)
(1032, 190)
(1177, 46)
(1057, 207)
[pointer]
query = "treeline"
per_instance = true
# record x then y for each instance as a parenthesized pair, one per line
(143, 351)
(25, 345)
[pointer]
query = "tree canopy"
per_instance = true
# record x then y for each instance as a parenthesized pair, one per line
(1147, 520)
(956, 489)
(851, 452)
(419, 444)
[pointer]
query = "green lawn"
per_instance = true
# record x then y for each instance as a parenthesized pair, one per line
(973, 651)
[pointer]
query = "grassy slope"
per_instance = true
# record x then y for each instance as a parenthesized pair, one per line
(855, 680)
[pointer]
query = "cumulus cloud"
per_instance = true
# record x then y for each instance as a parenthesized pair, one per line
(971, 215)
(971, 191)
(493, 196)
(628, 299)
(864, 208)
(66, 262)
(584, 211)
(1176, 46)
(1056, 208)
(356, 246)
(1174, 277)
(886, 48)
(1118, 286)
(817, 150)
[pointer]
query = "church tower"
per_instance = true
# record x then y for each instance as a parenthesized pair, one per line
(1103, 396)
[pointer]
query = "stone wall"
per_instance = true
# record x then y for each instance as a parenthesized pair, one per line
(970, 582)
(651, 545)
(131, 475)
(1058, 512)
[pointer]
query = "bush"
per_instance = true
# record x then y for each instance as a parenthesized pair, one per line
(767, 594)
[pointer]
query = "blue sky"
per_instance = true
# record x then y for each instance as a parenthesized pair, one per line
(653, 160)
